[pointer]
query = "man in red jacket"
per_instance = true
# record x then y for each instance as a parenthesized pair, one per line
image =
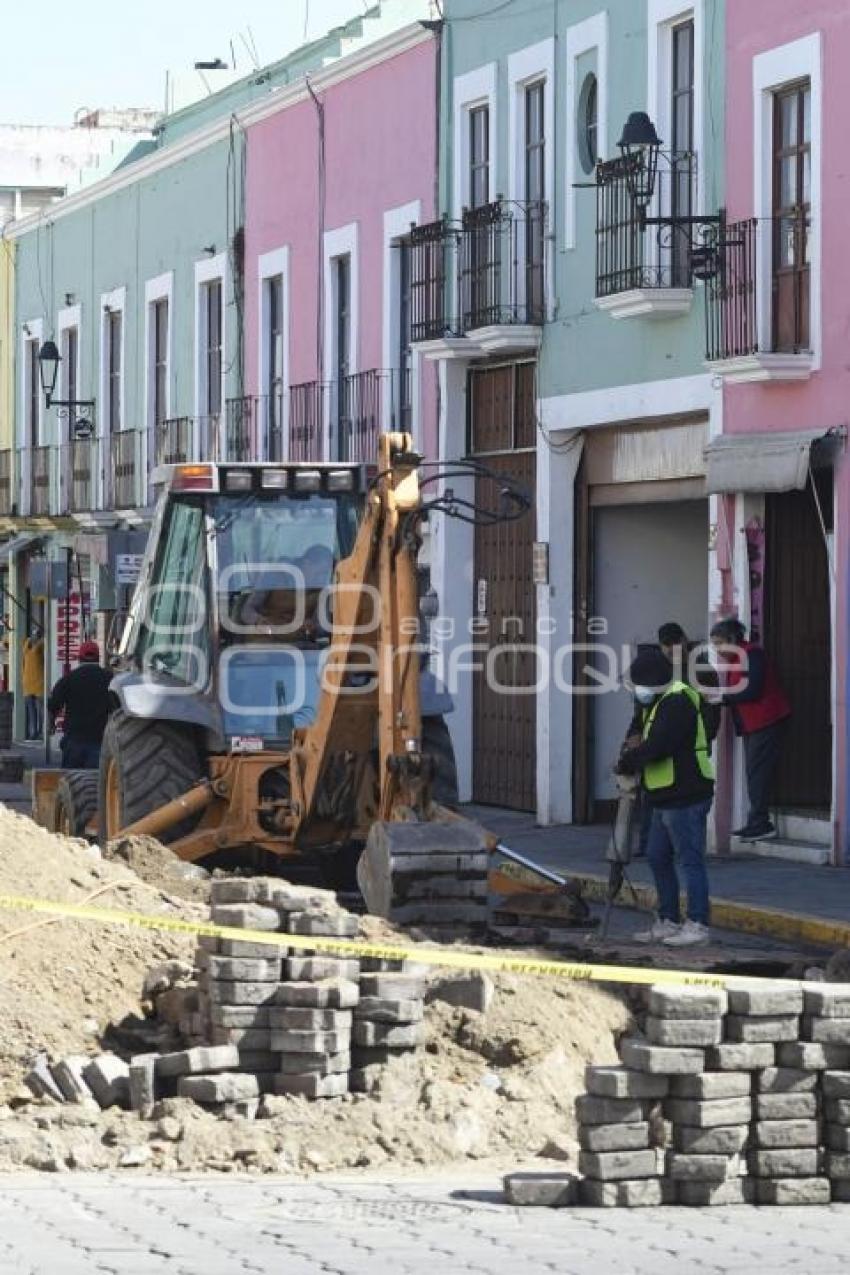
(760, 709)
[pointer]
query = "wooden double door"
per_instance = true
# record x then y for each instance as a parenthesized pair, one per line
(502, 435)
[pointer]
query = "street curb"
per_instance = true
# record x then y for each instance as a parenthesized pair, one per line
(790, 927)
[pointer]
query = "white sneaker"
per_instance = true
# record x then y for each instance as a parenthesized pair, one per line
(658, 932)
(688, 935)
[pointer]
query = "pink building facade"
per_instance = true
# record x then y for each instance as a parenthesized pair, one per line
(780, 337)
(336, 174)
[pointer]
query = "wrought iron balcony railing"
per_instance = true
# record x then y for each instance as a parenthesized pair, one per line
(488, 269)
(40, 480)
(241, 434)
(631, 255)
(78, 482)
(124, 487)
(186, 438)
(306, 421)
(758, 253)
(7, 503)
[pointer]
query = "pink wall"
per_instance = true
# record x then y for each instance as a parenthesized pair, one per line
(380, 152)
(752, 27)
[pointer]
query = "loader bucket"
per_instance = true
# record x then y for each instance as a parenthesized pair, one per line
(427, 873)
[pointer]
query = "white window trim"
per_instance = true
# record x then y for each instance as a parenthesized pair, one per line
(772, 69)
(206, 271)
(525, 67)
(397, 223)
(341, 242)
(116, 300)
(31, 330)
(585, 37)
(270, 265)
(476, 88)
(661, 17)
(160, 288)
(70, 316)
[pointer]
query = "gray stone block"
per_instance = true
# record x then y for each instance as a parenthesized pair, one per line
(294, 1018)
(642, 1193)
(310, 1042)
(837, 1110)
(245, 916)
(619, 1082)
(402, 986)
(239, 1016)
(716, 1194)
(609, 1166)
(242, 1037)
(837, 1136)
(382, 1010)
(766, 999)
(836, 1084)
(286, 896)
(371, 1034)
(467, 991)
(684, 1031)
(593, 1110)
(826, 1031)
(322, 1064)
(338, 925)
(684, 1167)
(258, 1061)
(108, 1077)
(243, 949)
(840, 1190)
(724, 1140)
(709, 1114)
(229, 992)
(236, 968)
(315, 969)
(224, 1087)
(235, 890)
(713, 1084)
(141, 1082)
(753, 1030)
(687, 1002)
(543, 1190)
(737, 1057)
(785, 1106)
(776, 1134)
(331, 994)
(786, 1080)
(614, 1137)
(660, 1059)
(311, 1084)
(41, 1082)
(198, 1061)
(811, 1056)
(827, 1000)
(788, 1191)
(68, 1074)
(796, 1163)
(365, 1079)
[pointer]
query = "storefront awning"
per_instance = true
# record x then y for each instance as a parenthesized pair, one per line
(763, 462)
(16, 544)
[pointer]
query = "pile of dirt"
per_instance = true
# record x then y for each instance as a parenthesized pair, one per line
(155, 863)
(63, 981)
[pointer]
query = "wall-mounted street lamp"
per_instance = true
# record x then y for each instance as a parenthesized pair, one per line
(641, 149)
(80, 410)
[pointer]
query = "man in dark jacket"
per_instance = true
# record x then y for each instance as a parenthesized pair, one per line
(83, 696)
(760, 711)
(677, 781)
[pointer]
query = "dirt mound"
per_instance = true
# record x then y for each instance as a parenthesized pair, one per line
(157, 865)
(63, 981)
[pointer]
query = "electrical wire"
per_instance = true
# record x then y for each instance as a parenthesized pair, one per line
(830, 555)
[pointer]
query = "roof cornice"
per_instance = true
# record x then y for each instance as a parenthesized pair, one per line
(341, 69)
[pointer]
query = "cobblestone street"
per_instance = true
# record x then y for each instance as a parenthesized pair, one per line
(89, 1225)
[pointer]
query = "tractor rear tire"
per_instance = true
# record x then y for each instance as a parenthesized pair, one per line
(437, 743)
(76, 802)
(145, 763)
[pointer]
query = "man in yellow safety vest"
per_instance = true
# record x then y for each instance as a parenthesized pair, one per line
(677, 779)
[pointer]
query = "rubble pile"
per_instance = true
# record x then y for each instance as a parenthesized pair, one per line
(727, 1098)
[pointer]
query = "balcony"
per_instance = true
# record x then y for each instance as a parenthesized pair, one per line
(78, 480)
(125, 470)
(644, 271)
(40, 472)
(306, 422)
(757, 314)
(186, 438)
(7, 501)
(241, 441)
(480, 286)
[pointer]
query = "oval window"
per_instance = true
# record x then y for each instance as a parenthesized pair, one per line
(588, 152)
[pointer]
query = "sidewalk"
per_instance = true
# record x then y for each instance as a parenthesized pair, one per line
(793, 902)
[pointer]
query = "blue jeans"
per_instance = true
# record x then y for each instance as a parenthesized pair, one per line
(79, 754)
(679, 830)
(34, 716)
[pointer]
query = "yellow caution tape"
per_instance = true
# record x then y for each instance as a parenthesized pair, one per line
(573, 971)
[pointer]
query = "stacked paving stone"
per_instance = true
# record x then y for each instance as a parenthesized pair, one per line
(388, 1019)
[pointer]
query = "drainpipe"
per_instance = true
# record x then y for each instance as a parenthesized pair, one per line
(320, 282)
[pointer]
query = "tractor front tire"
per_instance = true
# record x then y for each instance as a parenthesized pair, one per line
(76, 802)
(144, 763)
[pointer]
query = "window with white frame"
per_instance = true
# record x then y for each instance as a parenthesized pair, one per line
(479, 156)
(791, 264)
(398, 356)
(159, 321)
(211, 349)
(32, 393)
(273, 337)
(113, 344)
(530, 83)
(587, 108)
(475, 181)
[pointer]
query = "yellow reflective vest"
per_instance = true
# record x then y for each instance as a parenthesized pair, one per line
(661, 773)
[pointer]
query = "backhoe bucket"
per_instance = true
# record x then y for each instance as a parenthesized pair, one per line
(430, 873)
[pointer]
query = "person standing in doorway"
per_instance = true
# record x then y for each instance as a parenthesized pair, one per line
(677, 781)
(32, 678)
(83, 696)
(760, 711)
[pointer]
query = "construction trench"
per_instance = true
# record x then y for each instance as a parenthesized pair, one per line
(133, 1048)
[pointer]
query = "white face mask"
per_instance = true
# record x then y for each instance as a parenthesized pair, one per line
(645, 694)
